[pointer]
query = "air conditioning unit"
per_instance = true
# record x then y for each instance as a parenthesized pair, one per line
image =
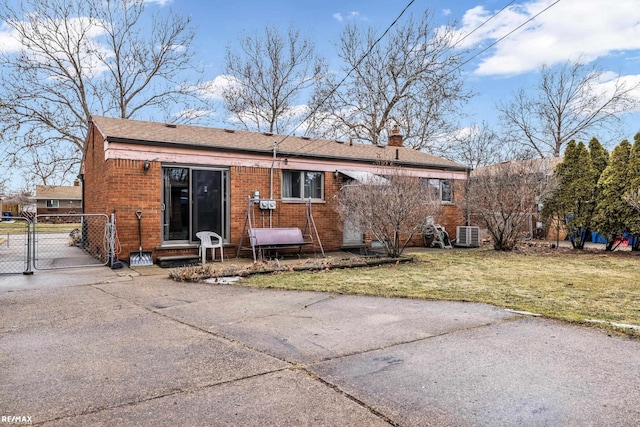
(468, 236)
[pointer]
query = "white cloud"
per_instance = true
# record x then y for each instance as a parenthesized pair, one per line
(213, 88)
(609, 81)
(446, 12)
(8, 40)
(569, 30)
(338, 16)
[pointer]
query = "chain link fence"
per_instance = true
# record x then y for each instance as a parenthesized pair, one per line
(14, 245)
(69, 240)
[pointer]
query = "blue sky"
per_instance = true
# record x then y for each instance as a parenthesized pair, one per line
(602, 32)
(594, 31)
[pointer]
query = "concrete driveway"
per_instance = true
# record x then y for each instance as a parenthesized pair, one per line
(102, 347)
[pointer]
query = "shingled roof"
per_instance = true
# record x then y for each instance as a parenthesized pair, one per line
(58, 192)
(544, 166)
(154, 133)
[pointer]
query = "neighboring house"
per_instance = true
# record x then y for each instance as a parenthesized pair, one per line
(184, 179)
(58, 199)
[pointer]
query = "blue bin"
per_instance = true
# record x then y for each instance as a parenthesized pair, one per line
(597, 238)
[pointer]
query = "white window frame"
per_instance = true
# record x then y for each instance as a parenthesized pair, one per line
(53, 204)
(437, 185)
(303, 173)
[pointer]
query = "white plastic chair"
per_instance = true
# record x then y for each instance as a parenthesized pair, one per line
(209, 240)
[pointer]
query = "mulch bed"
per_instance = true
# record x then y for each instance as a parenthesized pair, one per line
(201, 273)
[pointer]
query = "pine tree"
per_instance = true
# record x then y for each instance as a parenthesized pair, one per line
(599, 156)
(600, 161)
(574, 199)
(613, 213)
(634, 188)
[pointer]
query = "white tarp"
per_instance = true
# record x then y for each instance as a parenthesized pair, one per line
(365, 177)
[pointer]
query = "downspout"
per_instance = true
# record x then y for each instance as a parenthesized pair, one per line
(466, 199)
(273, 162)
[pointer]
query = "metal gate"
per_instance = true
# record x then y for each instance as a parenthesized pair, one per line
(72, 240)
(55, 241)
(15, 249)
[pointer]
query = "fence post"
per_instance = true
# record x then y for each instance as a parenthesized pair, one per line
(28, 271)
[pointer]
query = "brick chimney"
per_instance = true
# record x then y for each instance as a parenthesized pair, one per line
(395, 138)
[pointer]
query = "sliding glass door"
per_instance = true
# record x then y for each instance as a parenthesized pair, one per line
(194, 199)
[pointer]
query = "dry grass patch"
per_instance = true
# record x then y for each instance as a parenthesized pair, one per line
(20, 227)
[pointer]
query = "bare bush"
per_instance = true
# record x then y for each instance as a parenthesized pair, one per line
(393, 209)
(503, 197)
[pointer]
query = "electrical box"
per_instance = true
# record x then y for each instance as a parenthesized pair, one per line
(267, 204)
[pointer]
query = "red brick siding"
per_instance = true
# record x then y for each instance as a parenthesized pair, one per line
(245, 180)
(123, 187)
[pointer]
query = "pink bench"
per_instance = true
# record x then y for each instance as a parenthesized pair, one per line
(275, 238)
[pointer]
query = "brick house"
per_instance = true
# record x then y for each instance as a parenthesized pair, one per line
(58, 199)
(186, 179)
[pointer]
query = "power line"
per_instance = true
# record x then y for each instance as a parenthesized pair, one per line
(506, 35)
(299, 150)
(333, 90)
(486, 21)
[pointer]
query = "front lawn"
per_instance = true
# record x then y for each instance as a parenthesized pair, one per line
(566, 285)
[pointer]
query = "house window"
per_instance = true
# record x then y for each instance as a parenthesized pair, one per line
(194, 199)
(302, 185)
(53, 204)
(442, 188)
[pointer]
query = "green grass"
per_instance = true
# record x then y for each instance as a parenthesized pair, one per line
(570, 286)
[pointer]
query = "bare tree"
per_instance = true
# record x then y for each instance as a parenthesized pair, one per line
(567, 103)
(75, 58)
(475, 146)
(267, 76)
(503, 198)
(393, 209)
(410, 78)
